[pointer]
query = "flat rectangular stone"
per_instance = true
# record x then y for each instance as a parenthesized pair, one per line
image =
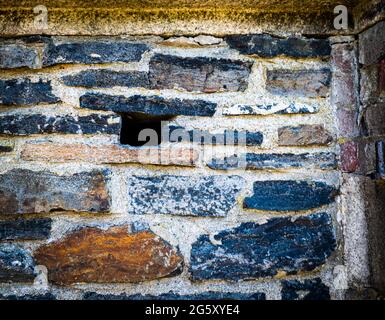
(308, 289)
(25, 229)
(381, 72)
(199, 74)
(77, 152)
(270, 108)
(28, 297)
(299, 83)
(267, 46)
(150, 105)
(271, 161)
(374, 119)
(380, 147)
(286, 245)
(15, 54)
(25, 92)
(27, 124)
(16, 264)
(6, 147)
(281, 195)
(183, 195)
(105, 78)
(91, 50)
(304, 135)
(372, 44)
(25, 191)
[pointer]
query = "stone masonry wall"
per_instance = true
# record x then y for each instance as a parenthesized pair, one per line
(86, 216)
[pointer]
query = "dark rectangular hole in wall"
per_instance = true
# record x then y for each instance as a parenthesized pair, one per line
(133, 124)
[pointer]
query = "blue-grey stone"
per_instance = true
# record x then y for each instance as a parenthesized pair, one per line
(25, 229)
(27, 124)
(267, 46)
(16, 264)
(183, 195)
(309, 289)
(149, 105)
(263, 161)
(26, 297)
(25, 92)
(92, 51)
(252, 251)
(105, 78)
(281, 195)
(210, 295)
(17, 55)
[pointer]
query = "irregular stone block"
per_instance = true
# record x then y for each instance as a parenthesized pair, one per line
(27, 297)
(382, 77)
(183, 195)
(349, 156)
(270, 108)
(302, 83)
(372, 44)
(228, 137)
(284, 195)
(199, 74)
(16, 264)
(309, 289)
(6, 147)
(92, 255)
(27, 124)
(107, 79)
(263, 161)
(17, 55)
(24, 191)
(281, 245)
(347, 123)
(52, 152)
(210, 295)
(92, 51)
(25, 229)
(150, 105)
(266, 46)
(304, 135)
(25, 92)
(374, 120)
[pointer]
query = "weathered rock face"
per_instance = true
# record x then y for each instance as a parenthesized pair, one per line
(372, 44)
(16, 264)
(22, 229)
(304, 135)
(309, 289)
(270, 108)
(28, 297)
(211, 295)
(17, 55)
(150, 105)
(27, 124)
(24, 191)
(250, 251)
(289, 195)
(111, 256)
(305, 83)
(26, 92)
(183, 195)
(266, 46)
(198, 74)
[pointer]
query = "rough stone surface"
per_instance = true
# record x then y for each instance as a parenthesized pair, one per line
(24, 191)
(25, 92)
(250, 251)
(380, 147)
(369, 80)
(53, 152)
(210, 295)
(92, 51)
(27, 297)
(309, 289)
(270, 108)
(150, 105)
(266, 161)
(105, 78)
(183, 195)
(27, 124)
(6, 147)
(228, 137)
(17, 55)
(347, 123)
(306, 83)
(349, 156)
(283, 195)
(16, 264)
(304, 135)
(111, 256)
(374, 120)
(199, 74)
(267, 46)
(372, 44)
(382, 77)
(25, 229)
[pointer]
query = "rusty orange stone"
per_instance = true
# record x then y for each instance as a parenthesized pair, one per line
(92, 255)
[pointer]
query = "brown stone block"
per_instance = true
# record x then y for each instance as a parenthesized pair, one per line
(304, 135)
(92, 255)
